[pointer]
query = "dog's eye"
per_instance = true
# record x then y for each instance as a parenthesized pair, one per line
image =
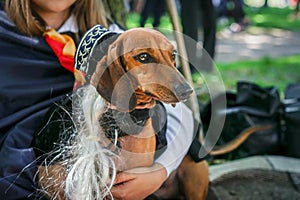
(174, 53)
(143, 58)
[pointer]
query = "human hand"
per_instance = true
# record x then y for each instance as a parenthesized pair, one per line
(138, 183)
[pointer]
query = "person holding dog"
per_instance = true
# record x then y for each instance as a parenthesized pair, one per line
(34, 76)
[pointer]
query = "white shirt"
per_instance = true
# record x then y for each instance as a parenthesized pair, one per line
(70, 25)
(180, 131)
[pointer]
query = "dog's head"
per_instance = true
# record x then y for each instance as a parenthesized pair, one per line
(138, 69)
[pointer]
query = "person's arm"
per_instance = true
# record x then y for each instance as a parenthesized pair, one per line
(139, 183)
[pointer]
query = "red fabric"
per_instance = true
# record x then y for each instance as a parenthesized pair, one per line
(66, 61)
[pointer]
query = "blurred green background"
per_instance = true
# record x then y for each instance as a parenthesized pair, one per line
(265, 71)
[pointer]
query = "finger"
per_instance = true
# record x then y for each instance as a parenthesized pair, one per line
(121, 191)
(123, 177)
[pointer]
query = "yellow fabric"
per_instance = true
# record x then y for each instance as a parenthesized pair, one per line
(69, 48)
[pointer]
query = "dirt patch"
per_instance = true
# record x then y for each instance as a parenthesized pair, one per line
(255, 184)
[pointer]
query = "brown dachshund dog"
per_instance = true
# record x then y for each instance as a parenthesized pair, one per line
(138, 70)
(149, 58)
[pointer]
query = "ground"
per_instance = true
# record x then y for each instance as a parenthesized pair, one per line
(256, 184)
(256, 43)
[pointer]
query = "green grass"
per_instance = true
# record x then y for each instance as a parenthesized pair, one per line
(282, 18)
(265, 72)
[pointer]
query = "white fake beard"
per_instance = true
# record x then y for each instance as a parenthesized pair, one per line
(90, 169)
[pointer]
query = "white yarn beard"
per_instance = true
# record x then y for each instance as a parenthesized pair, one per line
(90, 169)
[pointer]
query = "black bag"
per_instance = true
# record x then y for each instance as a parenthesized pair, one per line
(292, 120)
(251, 105)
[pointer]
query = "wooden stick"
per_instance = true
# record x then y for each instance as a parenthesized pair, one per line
(183, 55)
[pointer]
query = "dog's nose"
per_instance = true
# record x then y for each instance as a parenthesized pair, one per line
(183, 91)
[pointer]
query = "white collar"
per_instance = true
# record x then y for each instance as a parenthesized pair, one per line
(70, 25)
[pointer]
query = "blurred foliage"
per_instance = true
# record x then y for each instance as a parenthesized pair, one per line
(267, 17)
(133, 21)
(115, 11)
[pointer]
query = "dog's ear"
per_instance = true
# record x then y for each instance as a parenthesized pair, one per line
(112, 82)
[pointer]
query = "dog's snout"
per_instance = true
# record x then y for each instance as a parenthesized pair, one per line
(183, 91)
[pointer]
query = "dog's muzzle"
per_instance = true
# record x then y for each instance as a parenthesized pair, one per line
(183, 91)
